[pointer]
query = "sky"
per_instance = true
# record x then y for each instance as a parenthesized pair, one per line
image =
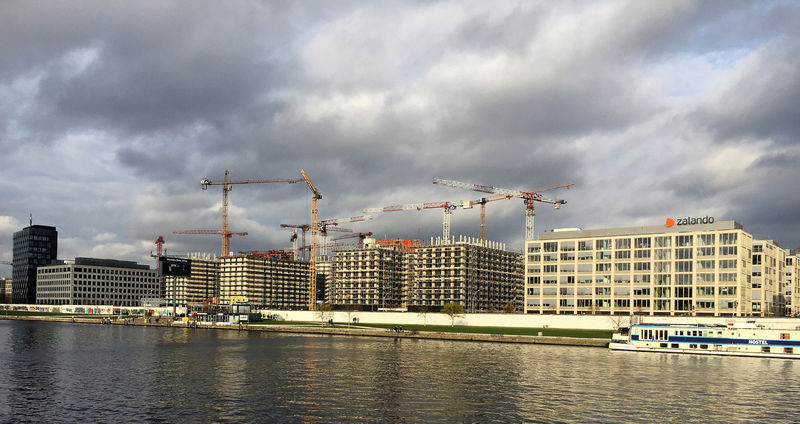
(111, 112)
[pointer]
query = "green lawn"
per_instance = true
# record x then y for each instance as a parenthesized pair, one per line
(517, 331)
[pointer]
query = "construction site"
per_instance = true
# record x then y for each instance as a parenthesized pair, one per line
(352, 270)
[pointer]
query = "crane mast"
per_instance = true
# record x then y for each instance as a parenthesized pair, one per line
(226, 188)
(312, 262)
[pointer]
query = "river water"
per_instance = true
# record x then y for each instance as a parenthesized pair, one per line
(58, 372)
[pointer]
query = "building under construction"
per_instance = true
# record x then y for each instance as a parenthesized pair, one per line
(200, 288)
(482, 276)
(264, 282)
(374, 277)
(391, 274)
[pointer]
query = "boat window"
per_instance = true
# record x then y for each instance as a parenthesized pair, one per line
(692, 346)
(765, 348)
(703, 346)
(787, 350)
(663, 345)
(674, 346)
(694, 332)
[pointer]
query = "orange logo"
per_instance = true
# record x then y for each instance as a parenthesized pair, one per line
(670, 222)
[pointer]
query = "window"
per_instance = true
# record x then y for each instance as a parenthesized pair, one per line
(663, 254)
(727, 250)
(705, 240)
(665, 241)
(683, 266)
(622, 267)
(623, 243)
(641, 266)
(551, 247)
(727, 238)
(683, 253)
(604, 244)
(756, 259)
(727, 263)
(642, 242)
(622, 254)
(642, 254)
(702, 265)
(683, 241)
(705, 251)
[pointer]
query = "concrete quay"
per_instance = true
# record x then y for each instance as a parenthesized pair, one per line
(327, 330)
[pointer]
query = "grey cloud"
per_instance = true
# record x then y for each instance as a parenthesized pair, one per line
(762, 101)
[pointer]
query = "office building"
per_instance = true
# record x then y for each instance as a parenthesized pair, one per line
(681, 268)
(34, 246)
(768, 292)
(90, 281)
(791, 282)
(5, 290)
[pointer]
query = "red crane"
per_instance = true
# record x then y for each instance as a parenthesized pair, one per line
(529, 197)
(226, 187)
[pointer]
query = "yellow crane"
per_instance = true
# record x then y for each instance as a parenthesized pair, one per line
(226, 187)
(312, 263)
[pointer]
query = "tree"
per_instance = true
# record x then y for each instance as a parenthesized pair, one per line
(350, 309)
(325, 312)
(453, 310)
(509, 308)
(423, 312)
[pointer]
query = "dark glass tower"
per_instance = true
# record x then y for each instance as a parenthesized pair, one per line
(34, 246)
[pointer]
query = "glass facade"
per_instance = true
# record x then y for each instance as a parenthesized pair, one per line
(34, 246)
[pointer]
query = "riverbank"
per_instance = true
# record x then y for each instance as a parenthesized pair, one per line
(335, 330)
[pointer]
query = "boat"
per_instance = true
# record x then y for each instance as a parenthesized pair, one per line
(733, 339)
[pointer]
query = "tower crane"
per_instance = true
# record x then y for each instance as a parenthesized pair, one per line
(226, 235)
(323, 231)
(529, 197)
(226, 187)
(159, 251)
(312, 260)
(361, 237)
(331, 224)
(446, 207)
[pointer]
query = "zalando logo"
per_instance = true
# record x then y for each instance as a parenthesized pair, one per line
(689, 221)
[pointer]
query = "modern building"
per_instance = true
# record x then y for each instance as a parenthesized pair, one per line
(264, 281)
(370, 278)
(6, 289)
(34, 246)
(480, 276)
(681, 268)
(200, 288)
(791, 282)
(90, 281)
(768, 298)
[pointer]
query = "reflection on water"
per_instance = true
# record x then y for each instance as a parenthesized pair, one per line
(53, 372)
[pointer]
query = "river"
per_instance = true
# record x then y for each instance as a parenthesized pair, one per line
(59, 372)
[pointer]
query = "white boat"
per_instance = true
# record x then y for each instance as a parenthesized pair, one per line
(735, 339)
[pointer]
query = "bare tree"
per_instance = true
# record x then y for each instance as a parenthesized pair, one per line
(325, 312)
(423, 312)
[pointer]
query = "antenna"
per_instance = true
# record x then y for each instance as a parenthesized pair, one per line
(31, 220)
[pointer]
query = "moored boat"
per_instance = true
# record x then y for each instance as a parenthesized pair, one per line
(737, 339)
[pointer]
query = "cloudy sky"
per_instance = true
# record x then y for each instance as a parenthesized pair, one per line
(111, 113)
